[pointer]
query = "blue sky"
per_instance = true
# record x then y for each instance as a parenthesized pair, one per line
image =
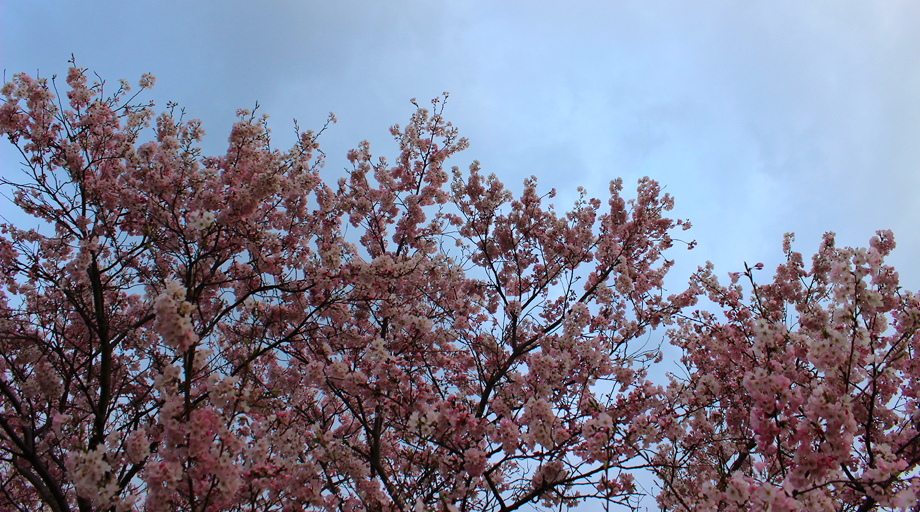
(759, 117)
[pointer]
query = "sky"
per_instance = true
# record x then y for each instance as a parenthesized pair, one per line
(760, 118)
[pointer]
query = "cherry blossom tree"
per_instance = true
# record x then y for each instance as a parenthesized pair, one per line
(239, 332)
(803, 397)
(235, 332)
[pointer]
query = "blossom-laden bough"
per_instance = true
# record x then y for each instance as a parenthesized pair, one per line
(803, 397)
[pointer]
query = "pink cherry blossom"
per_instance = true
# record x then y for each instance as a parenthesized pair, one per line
(806, 392)
(237, 332)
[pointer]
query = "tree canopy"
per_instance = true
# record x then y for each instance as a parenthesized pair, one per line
(238, 332)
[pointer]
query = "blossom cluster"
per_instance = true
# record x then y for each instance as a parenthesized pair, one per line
(801, 397)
